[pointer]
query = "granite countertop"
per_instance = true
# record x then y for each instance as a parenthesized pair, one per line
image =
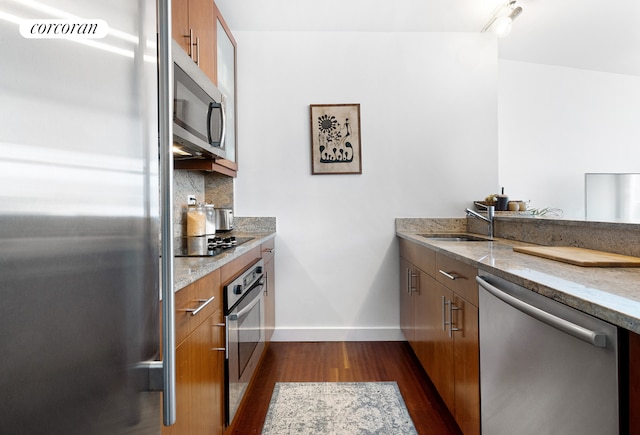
(609, 293)
(187, 270)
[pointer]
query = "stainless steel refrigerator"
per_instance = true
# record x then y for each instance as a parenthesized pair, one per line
(81, 183)
(612, 197)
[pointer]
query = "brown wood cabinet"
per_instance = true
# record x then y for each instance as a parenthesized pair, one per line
(200, 348)
(268, 254)
(415, 261)
(460, 315)
(466, 357)
(193, 28)
(439, 317)
(438, 360)
(199, 358)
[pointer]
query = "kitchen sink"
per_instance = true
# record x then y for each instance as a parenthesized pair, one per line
(455, 237)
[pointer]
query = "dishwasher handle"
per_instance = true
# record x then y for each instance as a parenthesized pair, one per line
(597, 339)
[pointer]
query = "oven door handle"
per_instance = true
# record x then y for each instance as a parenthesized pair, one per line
(226, 338)
(245, 310)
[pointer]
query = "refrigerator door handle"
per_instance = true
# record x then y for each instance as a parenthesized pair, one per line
(165, 108)
(595, 338)
(161, 375)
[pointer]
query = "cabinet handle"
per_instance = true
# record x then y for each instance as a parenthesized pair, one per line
(226, 343)
(412, 288)
(444, 313)
(451, 327)
(269, 250)
(451, 275)
(408, 280)
(204, 303)
(190, 36)
(197, 61)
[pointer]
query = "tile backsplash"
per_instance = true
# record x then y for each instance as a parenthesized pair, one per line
(208, 187)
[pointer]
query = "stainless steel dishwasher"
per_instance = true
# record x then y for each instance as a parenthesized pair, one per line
(545, 368)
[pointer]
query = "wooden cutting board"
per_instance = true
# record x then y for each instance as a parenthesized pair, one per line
(580, 256)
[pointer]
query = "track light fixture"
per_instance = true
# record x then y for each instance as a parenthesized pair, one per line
(501, 19)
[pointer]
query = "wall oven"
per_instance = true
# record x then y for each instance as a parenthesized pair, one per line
(198, 111)
(244, 316)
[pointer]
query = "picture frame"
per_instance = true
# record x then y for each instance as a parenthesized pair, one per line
(335, 139)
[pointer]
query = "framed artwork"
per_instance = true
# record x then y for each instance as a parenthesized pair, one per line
(335, 139)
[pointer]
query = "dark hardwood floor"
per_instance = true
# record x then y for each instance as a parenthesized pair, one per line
(345, 362)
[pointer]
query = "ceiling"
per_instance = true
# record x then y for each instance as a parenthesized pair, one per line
(586, 34)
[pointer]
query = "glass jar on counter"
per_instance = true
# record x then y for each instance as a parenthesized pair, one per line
(210, 216)
(196, 220)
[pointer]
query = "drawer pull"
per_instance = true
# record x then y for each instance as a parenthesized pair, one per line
(204, 303)
(269, 250)
(451, 275)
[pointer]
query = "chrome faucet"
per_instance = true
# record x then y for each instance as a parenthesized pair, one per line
(489, 218)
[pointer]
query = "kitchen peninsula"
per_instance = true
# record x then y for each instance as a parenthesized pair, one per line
(608, 293)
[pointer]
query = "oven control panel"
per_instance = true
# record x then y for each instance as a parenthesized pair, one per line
(236, 289)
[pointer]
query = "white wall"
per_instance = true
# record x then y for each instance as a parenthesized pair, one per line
(557, 123)
(429, 147)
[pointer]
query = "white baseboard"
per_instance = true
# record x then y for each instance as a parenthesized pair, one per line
(337, 334)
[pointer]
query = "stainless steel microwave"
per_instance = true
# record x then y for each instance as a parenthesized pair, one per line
(198, 111)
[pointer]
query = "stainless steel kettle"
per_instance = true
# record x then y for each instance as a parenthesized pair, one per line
(224, 219)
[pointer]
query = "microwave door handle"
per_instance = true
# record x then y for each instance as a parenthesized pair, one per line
(217, 142)
(209, 113)
(223, 115)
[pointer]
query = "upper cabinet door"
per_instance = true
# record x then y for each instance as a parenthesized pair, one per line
(226, 72)
(193, 27)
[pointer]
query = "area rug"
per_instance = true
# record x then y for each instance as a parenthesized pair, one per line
(337, 408)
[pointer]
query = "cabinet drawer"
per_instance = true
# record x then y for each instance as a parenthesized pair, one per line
(457, 276)
(420, 256)
(194, 304)
(205, 289)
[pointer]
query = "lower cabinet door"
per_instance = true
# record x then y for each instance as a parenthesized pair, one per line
(183, 396)
(440, 360)
(467, 366)
(202, 400)
(200, 380)
(407, 275)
